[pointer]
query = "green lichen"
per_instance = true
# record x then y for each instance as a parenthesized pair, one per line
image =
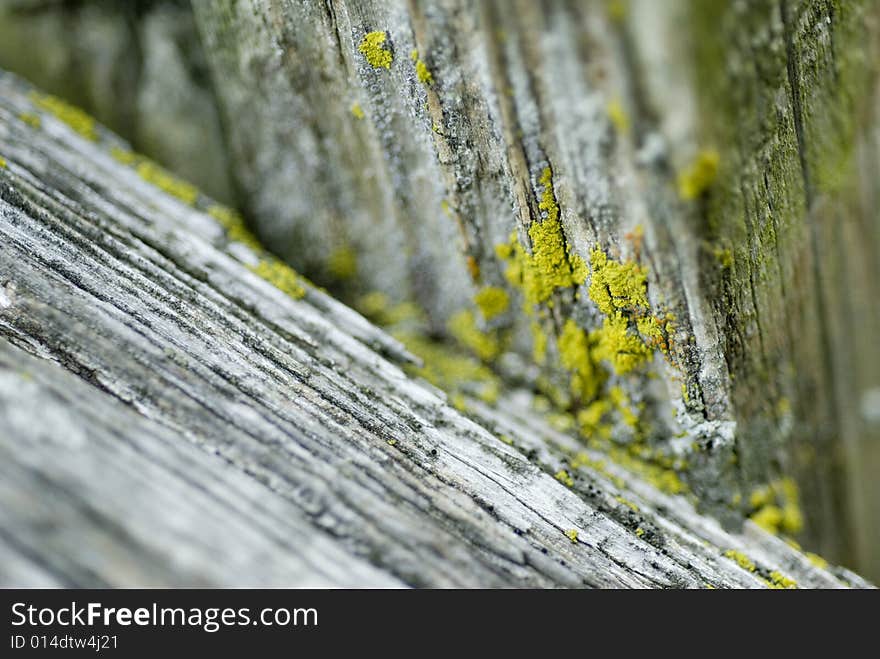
(280, 275)
(78, 120)
(492, 301)
(694, 181)
(564, 477)
(371, 46)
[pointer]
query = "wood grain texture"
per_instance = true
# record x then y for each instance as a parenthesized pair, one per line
(169, 417)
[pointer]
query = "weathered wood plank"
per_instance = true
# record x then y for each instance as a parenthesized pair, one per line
(168, 416)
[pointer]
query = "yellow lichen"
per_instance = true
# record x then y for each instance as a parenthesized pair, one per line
(768, 518)
(236, 229)
(564, 477)
(357, 111)
(574, 354)
(539, 343)
(699, 176)
(741, 559)
(2, 162)
(371, 48)
(492, 301)
(572, 535)
(817, 560)
(422, 71)
(779, 580)
(617, 10)
(449, 369)
(280, 275)
(32, 120)
(640, 532)
(617, 115)
(626, 502)
(342, 263)
(157, 175)
(78, 120)
(162, 179)
(617, 286)
(550, 266)
(619, 347)
(463, 327)
(776, 507)
(724, 257)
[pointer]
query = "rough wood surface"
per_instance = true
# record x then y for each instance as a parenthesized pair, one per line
(167, 416)
(421, 166)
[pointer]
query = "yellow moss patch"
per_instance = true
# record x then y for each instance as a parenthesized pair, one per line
(699, 176)
(371, 48)
(78, 120)
(492, 301)
(281, 276)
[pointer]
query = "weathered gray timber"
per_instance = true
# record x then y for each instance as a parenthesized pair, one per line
(167, 416)
(727, 148)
